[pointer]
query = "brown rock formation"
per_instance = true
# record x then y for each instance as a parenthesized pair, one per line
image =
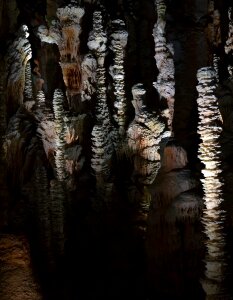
(17, 278)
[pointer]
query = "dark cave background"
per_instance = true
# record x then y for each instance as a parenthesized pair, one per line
(115, 251)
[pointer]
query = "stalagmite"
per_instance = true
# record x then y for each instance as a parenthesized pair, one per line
(18, 55)
(213, 215)
(216, 60)
(40, 202)
(57, 217)
(46, 126)
(28, 92)
(58, 100)
(144, 136)
(165, 84)
(101, 133)
(229, 42)
(118, 43)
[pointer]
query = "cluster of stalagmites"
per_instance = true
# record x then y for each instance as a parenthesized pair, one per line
(18, 55)
(144, 136)
(165, 84)
(60, 134)
(213, 215)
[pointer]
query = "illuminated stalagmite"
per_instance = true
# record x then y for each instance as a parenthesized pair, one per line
(144, 136)
(28, 92)
(19, 53)
(213, 216)
(165, 84)
(58, 100)
(101, 133)
(118, 44)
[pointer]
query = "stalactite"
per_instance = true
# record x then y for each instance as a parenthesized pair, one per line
(118, 43)
(18, 55)
(165, 84)
(144, 136)
(58, 100)
(101, 133)
(65, 33)
(213, 215)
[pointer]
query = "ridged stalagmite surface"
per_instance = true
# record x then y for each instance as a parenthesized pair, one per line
(58, 100)
(118, 43)
(213, 215)
(101, 133)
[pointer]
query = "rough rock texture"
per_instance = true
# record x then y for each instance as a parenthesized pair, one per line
(17, 278)
(229, 41)
(144, 136)
(165, 83)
